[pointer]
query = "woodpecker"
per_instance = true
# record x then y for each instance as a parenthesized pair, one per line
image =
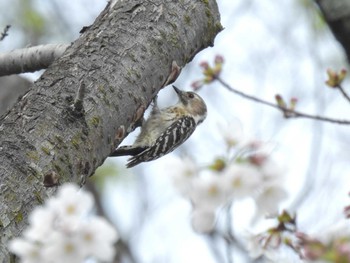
(165, 129)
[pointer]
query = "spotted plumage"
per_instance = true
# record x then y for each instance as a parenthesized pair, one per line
(166, 129)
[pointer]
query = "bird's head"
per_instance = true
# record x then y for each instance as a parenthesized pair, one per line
(193, 104)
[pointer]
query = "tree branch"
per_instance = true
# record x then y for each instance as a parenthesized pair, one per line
(288, 113)
(343, 92)
(30, 59)
(5, 33)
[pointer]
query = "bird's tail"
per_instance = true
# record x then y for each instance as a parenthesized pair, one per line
(128, 150)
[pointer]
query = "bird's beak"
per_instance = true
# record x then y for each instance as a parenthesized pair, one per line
(178, 91)
(181, 94)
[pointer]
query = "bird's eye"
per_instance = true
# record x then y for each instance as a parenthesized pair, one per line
(191, 95)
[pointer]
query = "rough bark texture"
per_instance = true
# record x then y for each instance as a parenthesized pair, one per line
(122, 60)
(337, 15)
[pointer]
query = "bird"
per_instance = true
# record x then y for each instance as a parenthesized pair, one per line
(165, 129)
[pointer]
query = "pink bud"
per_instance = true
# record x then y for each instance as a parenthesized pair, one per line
(196, 85)
(204, 65)
(219, 59)
(280, 101)
(294, 100)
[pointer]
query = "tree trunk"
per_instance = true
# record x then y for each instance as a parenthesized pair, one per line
(337, 15)
(116, 66)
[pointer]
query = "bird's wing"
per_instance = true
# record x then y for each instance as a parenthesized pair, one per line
(128, 150)
(169, 140)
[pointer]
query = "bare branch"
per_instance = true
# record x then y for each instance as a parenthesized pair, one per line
(122, 246)
(30, 59)
(346, 96)
(288, 113)
(5, 32)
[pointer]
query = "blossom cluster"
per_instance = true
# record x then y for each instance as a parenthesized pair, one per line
(332, 244)
(64, 230)
(268, 242)
(247, 171)
(210, 72)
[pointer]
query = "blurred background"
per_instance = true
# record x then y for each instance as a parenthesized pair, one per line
(269, 47)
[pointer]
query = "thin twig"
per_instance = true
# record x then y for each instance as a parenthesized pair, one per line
(288, 113)
(230, 232)
(5, 32)
(122, 246)
(230, 240)
(213, 247)
(346, 96)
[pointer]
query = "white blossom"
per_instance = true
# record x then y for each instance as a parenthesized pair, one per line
(272, 171)
(208, 192)
(203, 221)
(261, 245)
(29, 252)
(183, 171)
(268, 199)
(71, 203)
(241, 180)
(63, 230)
(41, 221)
(63, 248)
(231, 133)
(254, 247)
(96, 237)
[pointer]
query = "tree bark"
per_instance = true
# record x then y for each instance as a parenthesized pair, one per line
(116, 66)
(30, 59)
(337, 15)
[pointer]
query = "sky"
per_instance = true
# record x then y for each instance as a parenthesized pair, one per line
(267, 51)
